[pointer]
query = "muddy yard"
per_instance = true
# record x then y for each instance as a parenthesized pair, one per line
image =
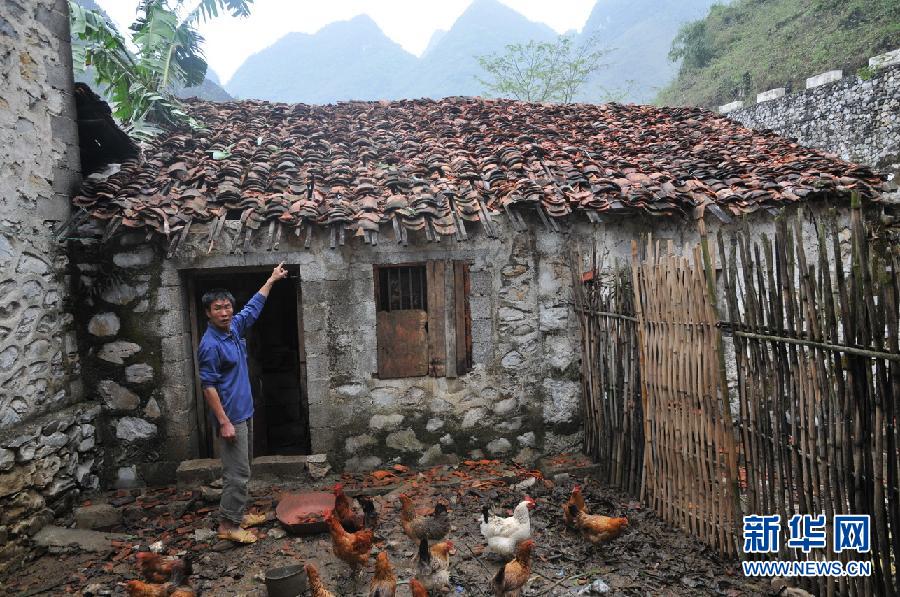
(651, 558)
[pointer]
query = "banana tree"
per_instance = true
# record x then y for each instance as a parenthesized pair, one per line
(167, 54)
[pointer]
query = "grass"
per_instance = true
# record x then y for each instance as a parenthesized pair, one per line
(763, 44)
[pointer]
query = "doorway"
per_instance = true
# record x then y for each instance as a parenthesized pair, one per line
(276, 361)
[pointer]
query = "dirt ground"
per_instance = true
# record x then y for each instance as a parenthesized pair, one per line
(651, 558)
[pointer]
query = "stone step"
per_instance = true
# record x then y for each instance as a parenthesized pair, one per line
(94, 541)
(201, 471)
(192, 473)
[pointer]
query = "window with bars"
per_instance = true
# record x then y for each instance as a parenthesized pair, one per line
(402, 288)
(423, 319)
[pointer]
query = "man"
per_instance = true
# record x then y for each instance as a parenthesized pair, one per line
(222, 356)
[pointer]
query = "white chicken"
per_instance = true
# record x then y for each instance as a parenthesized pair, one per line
(503, 534)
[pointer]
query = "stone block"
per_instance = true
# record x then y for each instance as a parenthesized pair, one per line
(726, 108)
(561, 399)
(198, 472)
(354, 444)
(385, 422)
(82, 539)
(769, 95)
(554, 319)
(116, 397)
(287, 468)
(97, 516)
(887, 59)
(473, 418)
(405, 441)
(133, 429)
(117, 352)
(139, 373)
(824, 78)
(7, 459)
(435, 456)
(499, 446)
(140, 257)
(124, 294)
(104, 325)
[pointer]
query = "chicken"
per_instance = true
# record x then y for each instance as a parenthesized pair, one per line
(183, 591)
(595, 528)
(504, 534)
(417, 589)
(512, 576)
(139, 588)
(433, 528)
(160, 569)
(577, 499)
(350, 520)
(370, 515)
(352, 548)
(384, 583)
(433, 564)
(316, 588)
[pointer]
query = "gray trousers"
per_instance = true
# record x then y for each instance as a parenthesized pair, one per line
(235, 456)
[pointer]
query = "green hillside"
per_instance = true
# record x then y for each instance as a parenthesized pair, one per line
(751, 46)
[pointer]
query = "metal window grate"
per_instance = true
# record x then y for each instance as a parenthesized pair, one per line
(402, 288)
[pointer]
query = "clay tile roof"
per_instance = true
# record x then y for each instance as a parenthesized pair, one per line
(439, 166)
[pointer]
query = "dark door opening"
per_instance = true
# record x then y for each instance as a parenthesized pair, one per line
(276, 361)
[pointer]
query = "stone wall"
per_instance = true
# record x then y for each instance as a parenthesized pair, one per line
(47, 452)
(857, 119)
(122, 311)
(44, 466)
(521, 398)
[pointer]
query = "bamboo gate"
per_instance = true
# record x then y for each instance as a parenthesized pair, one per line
(811, 426)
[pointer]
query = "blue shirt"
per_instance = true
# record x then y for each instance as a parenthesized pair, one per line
(222, 358)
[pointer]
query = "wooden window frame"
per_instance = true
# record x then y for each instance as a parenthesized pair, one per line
(447, 328)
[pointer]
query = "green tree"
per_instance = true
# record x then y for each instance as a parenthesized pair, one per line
(692, 45)
(542, 71)
(167, 53)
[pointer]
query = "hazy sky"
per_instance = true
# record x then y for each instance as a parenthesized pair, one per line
(410, 23)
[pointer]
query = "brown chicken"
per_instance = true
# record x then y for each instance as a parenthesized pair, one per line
(596, 528)
(433, 564)
(352, 548)
(316, 588)
(510, 579)
(416, 589)
(433, 528)
(139, 588)
(384, 583)
(343, 509)
(183, 591)
(160, 569)
(577, 499)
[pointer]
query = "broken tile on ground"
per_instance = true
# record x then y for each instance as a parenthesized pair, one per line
(650, 557)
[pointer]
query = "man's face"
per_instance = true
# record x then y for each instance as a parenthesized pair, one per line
(219, 314)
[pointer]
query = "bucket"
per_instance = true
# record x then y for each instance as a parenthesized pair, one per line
(288, 581)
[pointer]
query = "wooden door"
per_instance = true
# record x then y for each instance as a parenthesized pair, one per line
(402, 343)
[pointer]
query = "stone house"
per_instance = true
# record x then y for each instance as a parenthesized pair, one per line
(427, 318)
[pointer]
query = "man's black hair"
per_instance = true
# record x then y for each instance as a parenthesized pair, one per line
(216, 294)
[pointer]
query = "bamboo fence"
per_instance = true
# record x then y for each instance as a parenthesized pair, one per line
(816, 346)
(813, 425)
(613, 416)
(690, 456)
